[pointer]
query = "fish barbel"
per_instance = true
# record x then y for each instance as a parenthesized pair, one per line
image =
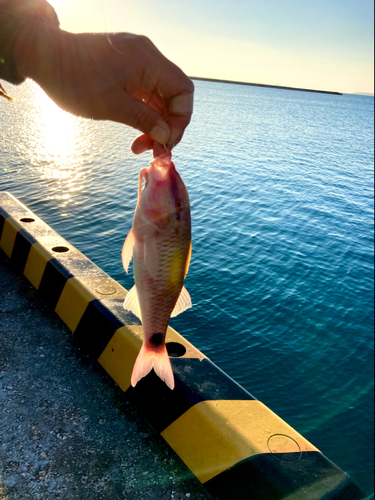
(160, 245)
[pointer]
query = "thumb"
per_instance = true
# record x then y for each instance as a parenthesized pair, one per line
(135, 113)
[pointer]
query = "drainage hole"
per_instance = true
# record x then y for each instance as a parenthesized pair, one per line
(60, 249)
(175, 350)
(27, 219)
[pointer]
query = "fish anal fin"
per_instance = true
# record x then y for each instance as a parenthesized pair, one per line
(131, 302)
(183, 303)
(127, 250)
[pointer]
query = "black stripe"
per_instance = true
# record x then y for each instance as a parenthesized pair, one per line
(266, 477)
(21, 249)
(115, 306)
(59, 271)
(3, 215)
(195, 381)
(97, 327)
(53, 281)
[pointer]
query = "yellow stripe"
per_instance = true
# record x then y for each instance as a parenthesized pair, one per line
(77, 294)
(36, 263)
(8, 238)
(215, 435)
(73, 303)
(119, 356)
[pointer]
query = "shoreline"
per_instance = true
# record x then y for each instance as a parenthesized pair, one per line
(282, 87)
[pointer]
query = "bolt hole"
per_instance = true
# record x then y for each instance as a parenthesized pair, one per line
(60, 249)
(175, 350)
(27, 219)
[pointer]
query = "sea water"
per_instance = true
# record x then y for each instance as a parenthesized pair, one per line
(281, 278)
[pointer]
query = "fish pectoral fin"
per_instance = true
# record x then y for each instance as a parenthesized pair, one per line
(151, 256)
(131, 302)
(183, 303)
(127, 250)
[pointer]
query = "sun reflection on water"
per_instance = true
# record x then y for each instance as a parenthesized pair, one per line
(58, 149)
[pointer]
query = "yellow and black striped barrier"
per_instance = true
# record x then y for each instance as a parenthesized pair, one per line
(235, 445)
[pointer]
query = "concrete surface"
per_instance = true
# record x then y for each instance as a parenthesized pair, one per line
(66, 430)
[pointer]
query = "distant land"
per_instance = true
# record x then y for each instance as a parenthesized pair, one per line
(264, 85)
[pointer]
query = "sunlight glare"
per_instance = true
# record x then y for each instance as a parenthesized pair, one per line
(58, 146)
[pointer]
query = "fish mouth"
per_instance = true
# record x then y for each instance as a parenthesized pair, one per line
(163, 161)
(161, 167)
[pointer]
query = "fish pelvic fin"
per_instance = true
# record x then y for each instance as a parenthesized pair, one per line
(127, 250)
(158, 360)
(131, 302)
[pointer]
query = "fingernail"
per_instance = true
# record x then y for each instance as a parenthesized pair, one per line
(160, 134)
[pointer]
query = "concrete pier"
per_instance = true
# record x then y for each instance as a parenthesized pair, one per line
(66, 431)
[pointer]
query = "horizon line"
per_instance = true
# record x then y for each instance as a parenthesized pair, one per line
(283, 87)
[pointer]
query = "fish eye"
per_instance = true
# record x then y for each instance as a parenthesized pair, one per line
(178, 204)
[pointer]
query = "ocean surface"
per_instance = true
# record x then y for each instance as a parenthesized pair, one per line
(281, 188)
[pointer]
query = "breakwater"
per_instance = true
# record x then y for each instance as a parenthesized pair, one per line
(282, 87)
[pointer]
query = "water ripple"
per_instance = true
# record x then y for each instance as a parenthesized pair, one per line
(281, 187)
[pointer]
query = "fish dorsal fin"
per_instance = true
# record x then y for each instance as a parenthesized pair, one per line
(151, 256)
(183, 303)
(188, 259)
(131, 303)
(127, 250)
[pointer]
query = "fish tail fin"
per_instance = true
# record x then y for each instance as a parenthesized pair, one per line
(158, 360)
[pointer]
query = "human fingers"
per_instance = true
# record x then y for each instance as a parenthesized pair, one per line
(145, 143)
(152, 99)
(141, 144)
(131, 111)
(180, 107)
(177, 125)
(180, 110)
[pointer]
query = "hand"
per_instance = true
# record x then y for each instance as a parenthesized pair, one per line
(120, 77)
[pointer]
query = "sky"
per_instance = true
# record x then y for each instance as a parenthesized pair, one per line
(315, 44)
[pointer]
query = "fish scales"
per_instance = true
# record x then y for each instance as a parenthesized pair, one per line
(160, 244)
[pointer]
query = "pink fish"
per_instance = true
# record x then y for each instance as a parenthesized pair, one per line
(160, 245)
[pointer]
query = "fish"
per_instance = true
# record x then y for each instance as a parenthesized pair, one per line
(160, 245)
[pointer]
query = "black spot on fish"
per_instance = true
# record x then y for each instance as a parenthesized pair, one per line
(157, 339)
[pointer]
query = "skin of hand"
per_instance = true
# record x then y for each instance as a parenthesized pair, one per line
(120, 77)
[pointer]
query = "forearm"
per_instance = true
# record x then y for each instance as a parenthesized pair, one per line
(10, 25)
(120, 77)
(76, 70)
(35, 49)
(15, 17)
